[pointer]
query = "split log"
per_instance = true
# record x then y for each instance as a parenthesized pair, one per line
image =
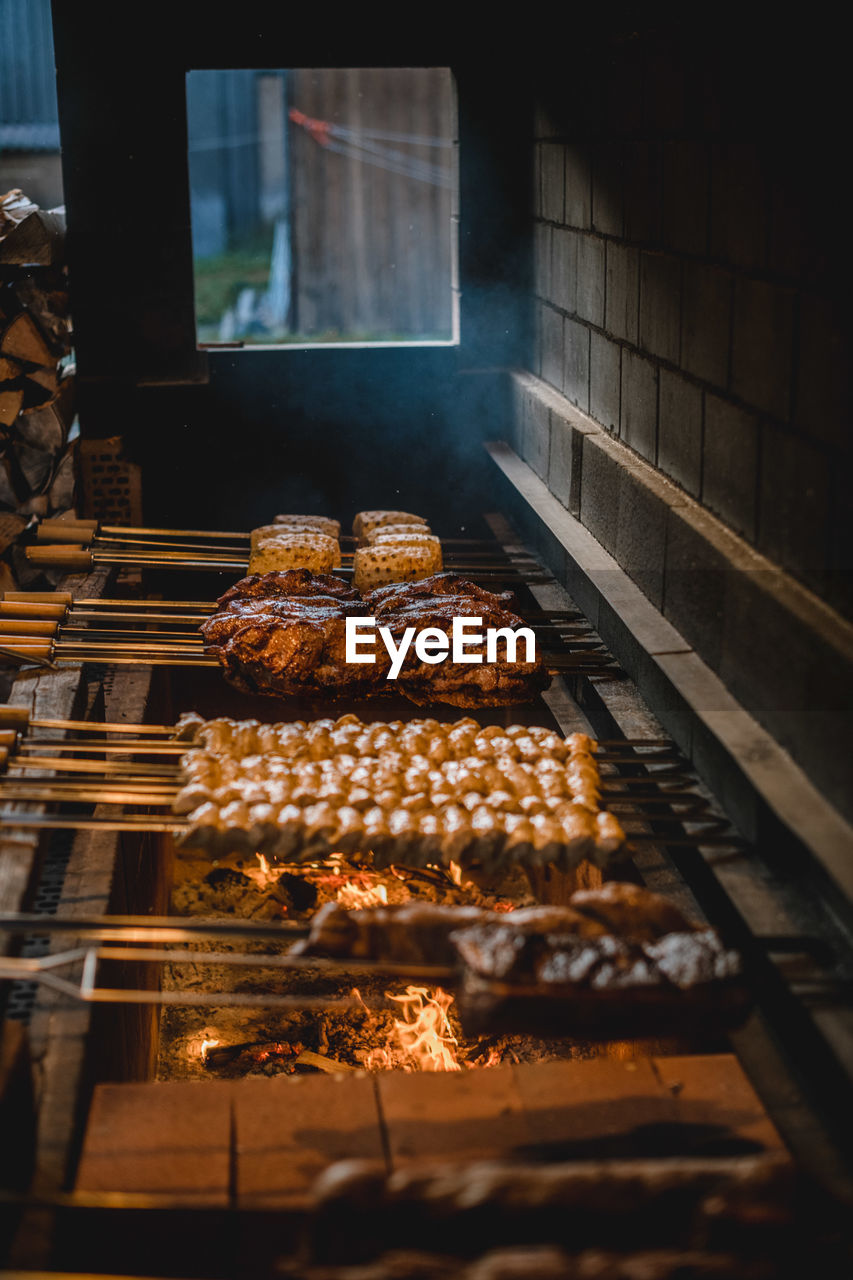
(45, 298)
(45, 379)
(42, 428)
(8, 492)
(36, 466)
(62, 488)
(9, 369)
(10, 406)
(39, 239)
(22, 341)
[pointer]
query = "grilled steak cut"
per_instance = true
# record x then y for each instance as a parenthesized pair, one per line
(385, 599)
(288, 582)
(284, 633)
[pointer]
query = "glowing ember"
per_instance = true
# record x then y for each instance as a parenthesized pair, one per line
(351, 896)
(422, 1040)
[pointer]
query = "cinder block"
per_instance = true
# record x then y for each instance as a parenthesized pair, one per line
(660, 305)
(551, 350)
(605, 372)
(638, 422)
(641, 531)
(590, 273)
(664, 89)
(561, 459)
(536, 435)
(542, 263)
(622, 315)
(822, 395)
(564, 265)
(762, 345)
(680, 431)
(686, 166)
(601, 489)
(553, 181)
(642, 192)
(290, 1130)
(536, 183)
(536, 335)
(607, 189)
(576, 366)
(730, 464)
(794, 503)
(515, 429)
(738, 231)
(766, 651)
(706, 322)
(696, 566)
(170, 1139)
(794, 247)
(578, 188)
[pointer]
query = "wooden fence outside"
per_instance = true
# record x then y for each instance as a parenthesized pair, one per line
(370, 216)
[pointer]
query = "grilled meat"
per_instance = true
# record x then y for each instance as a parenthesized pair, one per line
(288, 582)
(383, 599)
(284, 633)
(557, 970)
(421, 932)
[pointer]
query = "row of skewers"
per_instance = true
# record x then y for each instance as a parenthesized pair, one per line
(51, 627)
(138, 767)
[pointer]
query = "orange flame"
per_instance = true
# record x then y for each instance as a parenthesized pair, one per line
(373, 895)
(422, 1040)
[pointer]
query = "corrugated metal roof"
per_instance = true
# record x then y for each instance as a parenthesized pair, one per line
(27, 76)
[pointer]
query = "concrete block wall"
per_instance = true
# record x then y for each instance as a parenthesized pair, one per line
(689, 289)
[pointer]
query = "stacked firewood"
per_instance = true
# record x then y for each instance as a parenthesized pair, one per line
(36, 378)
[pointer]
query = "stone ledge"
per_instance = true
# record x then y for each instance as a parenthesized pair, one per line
(785, 654)
(742, 762)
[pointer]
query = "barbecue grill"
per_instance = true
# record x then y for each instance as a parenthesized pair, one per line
(206, 1067)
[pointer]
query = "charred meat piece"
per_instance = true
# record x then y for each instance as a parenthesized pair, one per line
(424, 930)
(284, 633)
(463, 684)
(630, 911)
(289, 582)
(408, 933)
(383, 599)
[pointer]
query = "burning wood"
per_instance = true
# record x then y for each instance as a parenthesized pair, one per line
(422, 1039)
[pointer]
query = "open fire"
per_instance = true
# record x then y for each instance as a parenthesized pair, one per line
(416, 1029)
(422, 1038)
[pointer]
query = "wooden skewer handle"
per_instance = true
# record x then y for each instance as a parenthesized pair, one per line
(37, 612)
(38, 597)
(28, 648)
(21, 628)
(67, 531)
(71, 557)
(17, 716)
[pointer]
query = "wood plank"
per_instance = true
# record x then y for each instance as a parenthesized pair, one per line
(289, 1129)
(713, 1094)
(466, 1115)
(169, 1139)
